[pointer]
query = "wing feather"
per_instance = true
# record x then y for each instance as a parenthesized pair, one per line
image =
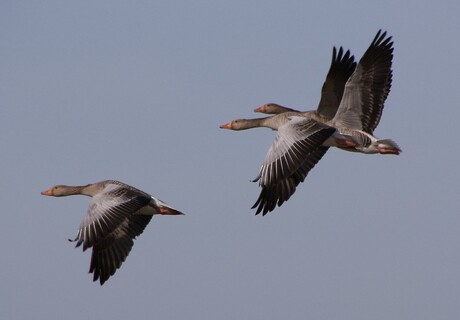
(295, 151)
(111, 251)
(273, 195)
(342, 66)
(107, 211)
(367, 88)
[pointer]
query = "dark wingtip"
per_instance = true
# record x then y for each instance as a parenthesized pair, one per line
(97, 277)
(381, 39)
(266, 202)
(340, 53)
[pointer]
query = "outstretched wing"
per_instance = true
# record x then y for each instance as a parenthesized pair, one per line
(342, 66)
(278, 193)
(107, 211)
(295, 151)
(111, 251)
(368, 87)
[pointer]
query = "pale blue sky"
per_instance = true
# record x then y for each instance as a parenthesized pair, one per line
(136, 91)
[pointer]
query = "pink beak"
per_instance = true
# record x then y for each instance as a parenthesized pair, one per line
(228, 125)
(260, 109)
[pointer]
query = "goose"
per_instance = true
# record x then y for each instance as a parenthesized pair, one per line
(362, 95)
(117, 214)
(299, 144)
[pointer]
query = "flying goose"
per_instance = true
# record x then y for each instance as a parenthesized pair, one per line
(364, 94)
(299, 144)
(117, 214)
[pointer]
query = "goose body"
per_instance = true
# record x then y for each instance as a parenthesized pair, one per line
(365, 141)
(359, 109)
(117, 214)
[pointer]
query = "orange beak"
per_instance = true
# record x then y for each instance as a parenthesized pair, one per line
(48, 192)
(228, 125)
(260, 109)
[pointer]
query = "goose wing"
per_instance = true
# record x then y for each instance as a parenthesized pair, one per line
(111, 207)
(342, 66)
(111, 251)
(367, 88)
(295, 151)
(278, 193)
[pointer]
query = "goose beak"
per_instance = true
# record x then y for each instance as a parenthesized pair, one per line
(260, 109)
(228, 125)
(48, 192)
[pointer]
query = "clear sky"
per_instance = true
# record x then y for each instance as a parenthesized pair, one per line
(136, 91)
